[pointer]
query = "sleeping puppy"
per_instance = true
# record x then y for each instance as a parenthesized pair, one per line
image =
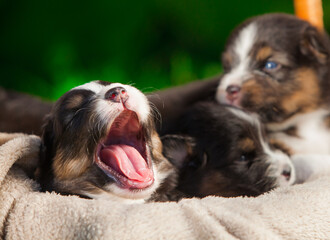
(100, 142)
(224, 152)
(278, 66)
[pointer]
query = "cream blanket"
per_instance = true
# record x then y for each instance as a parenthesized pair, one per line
(297, 212)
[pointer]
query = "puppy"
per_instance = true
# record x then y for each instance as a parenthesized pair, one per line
(99, 141)
(277, 66)
(224, 152)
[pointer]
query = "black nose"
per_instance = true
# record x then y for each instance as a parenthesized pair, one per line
(233, 89)
(118, 94)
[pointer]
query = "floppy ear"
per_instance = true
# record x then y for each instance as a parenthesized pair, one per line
(177, 149)
(46, 148)
(313, 44)
(48, 133)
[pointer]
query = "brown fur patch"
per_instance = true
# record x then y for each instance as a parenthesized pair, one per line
(277, 144)
(281, 58)
(259, 94)
(246, 145)
(254, 90)
(70, 168)
(157, 145)
(163, 165)
(264, 53)
(307, 97)
(261, 54)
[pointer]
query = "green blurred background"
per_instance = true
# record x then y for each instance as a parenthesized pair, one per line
(48, 47)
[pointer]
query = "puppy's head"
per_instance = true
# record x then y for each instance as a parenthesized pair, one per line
(275, 65)
(100, 141)
(225, 153)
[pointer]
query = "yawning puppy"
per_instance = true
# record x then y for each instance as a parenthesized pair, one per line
(100, 142)
(225, 153)
(278, 66)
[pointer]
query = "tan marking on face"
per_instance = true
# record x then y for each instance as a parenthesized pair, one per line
(267, 53)
(246, 145)
(264, 53)
(259, 94)
(255, 92)
(307, 97)
(281, 58)
(277, 144)
(75, 101)
(159, 160)
(69, 168)
(157, 146)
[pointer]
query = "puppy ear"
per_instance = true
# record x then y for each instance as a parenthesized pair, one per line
(313, 45)
(48, 131)
(46, 148)
(177, 149)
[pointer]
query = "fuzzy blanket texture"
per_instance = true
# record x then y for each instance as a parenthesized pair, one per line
(297, 212)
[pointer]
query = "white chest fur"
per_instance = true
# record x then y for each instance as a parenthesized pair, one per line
(313, 136)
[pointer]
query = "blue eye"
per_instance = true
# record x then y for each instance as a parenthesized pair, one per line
(270, 65)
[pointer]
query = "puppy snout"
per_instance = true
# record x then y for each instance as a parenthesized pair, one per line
(233, 92)
(117, 94)
(286, 173)
(233, 89)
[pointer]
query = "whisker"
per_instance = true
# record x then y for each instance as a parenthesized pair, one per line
(156, 114)
(149, 90)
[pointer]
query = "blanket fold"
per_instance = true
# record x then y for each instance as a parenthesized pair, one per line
(296, 212)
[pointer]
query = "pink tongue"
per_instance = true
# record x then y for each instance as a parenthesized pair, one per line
(127, 161)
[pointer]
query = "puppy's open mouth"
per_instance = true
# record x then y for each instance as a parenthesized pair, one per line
(123, 154)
